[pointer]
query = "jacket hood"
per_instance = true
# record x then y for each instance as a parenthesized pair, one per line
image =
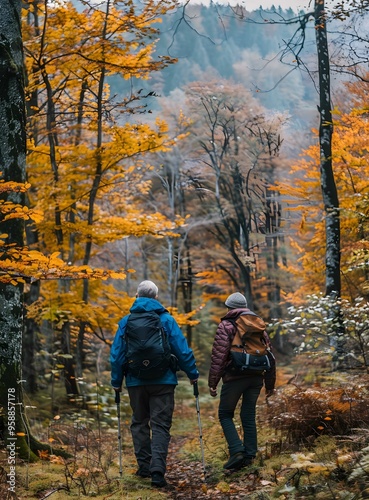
(234, 313)
(145, 304)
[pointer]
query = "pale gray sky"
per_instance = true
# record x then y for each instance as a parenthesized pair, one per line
(296, 5)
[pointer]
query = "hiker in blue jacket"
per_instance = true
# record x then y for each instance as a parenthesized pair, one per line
(152, 401)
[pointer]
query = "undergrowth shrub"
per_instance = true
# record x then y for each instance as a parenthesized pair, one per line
(303, 414)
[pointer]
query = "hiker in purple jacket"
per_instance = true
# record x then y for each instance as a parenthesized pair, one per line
(246, 386)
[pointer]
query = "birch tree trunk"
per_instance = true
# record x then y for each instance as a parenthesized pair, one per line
(328, 186)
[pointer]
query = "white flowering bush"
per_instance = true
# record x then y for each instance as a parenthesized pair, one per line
(325, 325)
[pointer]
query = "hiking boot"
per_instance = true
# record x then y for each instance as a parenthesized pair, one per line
(158, 480)
(142, 473)
(247, 461)
(235, 461)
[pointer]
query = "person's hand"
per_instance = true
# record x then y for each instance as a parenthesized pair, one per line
(269, 392)
(213, 391)
(193, 382)
(117, 389)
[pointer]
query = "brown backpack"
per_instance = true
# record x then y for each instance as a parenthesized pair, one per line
(249, 350)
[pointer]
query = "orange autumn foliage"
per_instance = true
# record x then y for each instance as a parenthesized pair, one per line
(351, 170)
(86, 159)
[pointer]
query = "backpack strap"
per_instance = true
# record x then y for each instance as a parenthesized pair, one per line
(235, 339)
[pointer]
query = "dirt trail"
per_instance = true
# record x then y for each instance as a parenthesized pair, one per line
(186, 479)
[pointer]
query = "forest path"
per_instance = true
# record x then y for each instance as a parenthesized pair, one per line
(187, 481)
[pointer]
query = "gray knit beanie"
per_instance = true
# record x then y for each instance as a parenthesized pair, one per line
(236, 301)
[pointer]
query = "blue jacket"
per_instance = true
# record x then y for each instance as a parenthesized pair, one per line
(177, 341)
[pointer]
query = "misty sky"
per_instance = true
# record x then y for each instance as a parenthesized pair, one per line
(296, 5)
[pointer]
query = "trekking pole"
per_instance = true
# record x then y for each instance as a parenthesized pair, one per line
(117, 400)
(196, 394)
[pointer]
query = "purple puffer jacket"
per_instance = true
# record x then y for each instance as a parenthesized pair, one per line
(220, 353)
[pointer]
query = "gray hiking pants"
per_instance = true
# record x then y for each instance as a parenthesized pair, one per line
(152, 407)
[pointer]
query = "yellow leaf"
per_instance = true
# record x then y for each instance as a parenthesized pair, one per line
(317, 469)
(223, 487)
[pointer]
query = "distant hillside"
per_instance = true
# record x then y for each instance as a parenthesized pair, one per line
(212, 42)
(212, 39)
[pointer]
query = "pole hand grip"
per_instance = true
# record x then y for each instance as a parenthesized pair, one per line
(117, 397)
(195, 389)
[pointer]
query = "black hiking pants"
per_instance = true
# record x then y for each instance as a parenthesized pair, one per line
(247, 388)
(152, 407)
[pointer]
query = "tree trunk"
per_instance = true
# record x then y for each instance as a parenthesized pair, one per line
(14, 433)
(70, 380)
(31, 344)
(274, 254)
(12, 161)
(328, 185)
(186, 287)
(93, 195)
